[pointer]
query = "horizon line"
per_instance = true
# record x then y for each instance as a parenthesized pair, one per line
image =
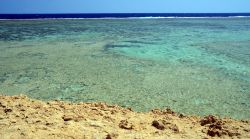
(144, 13)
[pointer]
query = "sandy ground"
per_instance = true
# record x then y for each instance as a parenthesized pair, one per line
(22, 117)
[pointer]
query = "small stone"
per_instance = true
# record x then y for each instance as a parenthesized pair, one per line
(7, 110)
(13, 121)
(203, 130)
(244, 121)
(213, 133)
(108, 136)
(67, 118)
(169, 111)
(130, 109)
(246, 130)
(208, 120)
(112, 135)
(175, 128)
(156, 111)
(2, 104)
(181, 116)
(22, 109)
(158, 125)
(125, 125)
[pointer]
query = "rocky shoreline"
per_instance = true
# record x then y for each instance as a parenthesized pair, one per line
(22, 117)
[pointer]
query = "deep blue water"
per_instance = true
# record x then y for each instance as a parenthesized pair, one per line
(118, 15)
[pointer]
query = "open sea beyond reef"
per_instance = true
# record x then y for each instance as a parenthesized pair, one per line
(191, 65)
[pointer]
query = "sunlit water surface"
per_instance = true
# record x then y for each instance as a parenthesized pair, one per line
(193, 66)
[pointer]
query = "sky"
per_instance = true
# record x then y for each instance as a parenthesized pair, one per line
(124, 6)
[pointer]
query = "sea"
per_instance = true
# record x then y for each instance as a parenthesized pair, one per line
(193, 63)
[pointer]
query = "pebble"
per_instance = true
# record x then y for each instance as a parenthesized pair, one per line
(158, 125)
(67, 118)
(124, 124)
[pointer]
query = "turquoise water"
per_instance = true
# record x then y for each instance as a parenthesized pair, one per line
(193, 66)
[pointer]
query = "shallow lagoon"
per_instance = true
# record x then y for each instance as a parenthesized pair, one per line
(194, 66)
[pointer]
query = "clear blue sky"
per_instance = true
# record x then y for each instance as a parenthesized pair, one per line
(123, 6)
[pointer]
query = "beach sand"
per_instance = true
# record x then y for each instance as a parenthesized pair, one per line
(22, 117)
